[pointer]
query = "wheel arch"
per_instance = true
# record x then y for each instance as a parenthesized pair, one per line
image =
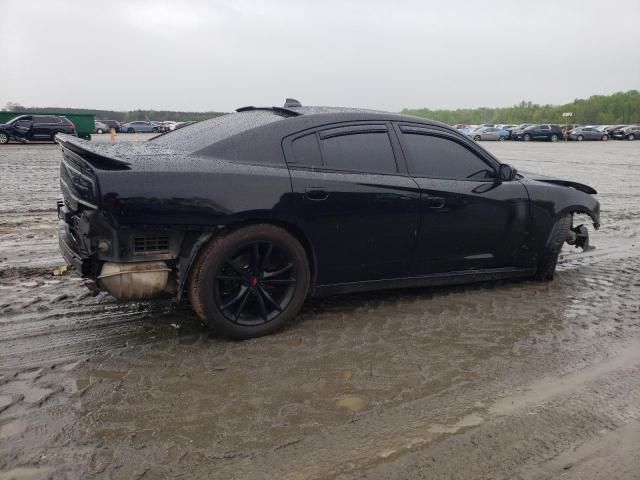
(194, 243)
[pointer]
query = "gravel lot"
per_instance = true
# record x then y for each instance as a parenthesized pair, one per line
(511, 380)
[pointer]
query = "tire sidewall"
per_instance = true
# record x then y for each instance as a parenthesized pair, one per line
(202, 281)
(5, 138)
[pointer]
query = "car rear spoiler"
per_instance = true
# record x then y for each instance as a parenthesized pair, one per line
(89, 151)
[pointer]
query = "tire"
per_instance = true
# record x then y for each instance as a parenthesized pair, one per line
(580, 138)
(501, 139)
(155, 130)
(4, 138)
(130, 130)
(249, 282)
(554, 138)
(631, 137)
(605, 138)
(99, 131)
(526, 137)
(548, 261)
(477, 138)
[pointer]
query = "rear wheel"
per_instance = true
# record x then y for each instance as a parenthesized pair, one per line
(548, 261)
(4, 138)
(99, 130)
(554, 138)
(249, 282)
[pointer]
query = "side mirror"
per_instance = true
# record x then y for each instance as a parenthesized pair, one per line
(506, 172)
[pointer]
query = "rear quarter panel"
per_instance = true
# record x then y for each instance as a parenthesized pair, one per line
(197, 192)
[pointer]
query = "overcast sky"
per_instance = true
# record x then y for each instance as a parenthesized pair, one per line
(220, 55)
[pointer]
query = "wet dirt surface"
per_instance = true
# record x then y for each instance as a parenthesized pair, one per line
(505, 380)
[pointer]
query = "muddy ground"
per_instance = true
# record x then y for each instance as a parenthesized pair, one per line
(519, 380)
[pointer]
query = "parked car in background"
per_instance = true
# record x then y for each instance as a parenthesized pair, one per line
(611, 128)
(545, 131)
(587, 133)
(101, 127)
(251, 213)
(630, 132)
(36, 127)
(518, 128)
(111, 124)
(140, 126)
(168, 126)
(485, 133)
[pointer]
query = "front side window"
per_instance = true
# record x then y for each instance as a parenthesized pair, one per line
(361, 151)
(439, 157)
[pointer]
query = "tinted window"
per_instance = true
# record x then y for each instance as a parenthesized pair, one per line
(360, 151)
(438, 157)
(45, 120)
(306, 150)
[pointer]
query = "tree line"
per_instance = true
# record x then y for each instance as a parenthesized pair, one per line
(619, 108)
(121, 116)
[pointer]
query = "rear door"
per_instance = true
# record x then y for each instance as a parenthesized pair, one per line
(354, 201)
(469, 219)
(41, 127)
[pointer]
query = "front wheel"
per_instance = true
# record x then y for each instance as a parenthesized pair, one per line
(130, 130)
(580, 138)
(526, 137)
(4, 138)
(605, 138)
(549, 259)
(631, 137)
(554, 138)
(249, 282)
(477, 138)
(99, 131)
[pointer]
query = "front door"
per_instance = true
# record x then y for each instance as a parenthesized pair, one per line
(469, 219)
(359, 209)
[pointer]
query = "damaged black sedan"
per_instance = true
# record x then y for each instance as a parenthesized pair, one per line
(248, 214)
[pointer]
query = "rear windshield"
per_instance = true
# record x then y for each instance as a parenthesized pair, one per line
(202, 134)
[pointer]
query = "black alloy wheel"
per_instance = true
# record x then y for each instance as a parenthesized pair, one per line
(249, 282)
(255, 284)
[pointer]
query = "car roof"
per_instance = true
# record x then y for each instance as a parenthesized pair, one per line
(282, 121)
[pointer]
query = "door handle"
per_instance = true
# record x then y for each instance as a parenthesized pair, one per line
(316, 194)
(435, 202)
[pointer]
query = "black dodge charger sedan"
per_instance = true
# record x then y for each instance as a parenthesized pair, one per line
(248, 214)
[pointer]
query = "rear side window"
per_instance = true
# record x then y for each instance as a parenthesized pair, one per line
(306, 150)
(438, 157)
(363, 151)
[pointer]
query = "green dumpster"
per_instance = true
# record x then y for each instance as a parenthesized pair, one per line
(84, 122)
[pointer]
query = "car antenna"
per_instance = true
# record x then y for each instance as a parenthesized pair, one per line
(291, 102)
